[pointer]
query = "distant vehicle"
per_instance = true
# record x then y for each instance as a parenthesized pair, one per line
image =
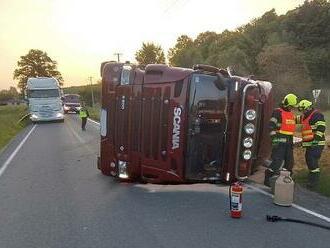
(44, 99)
(71, 103)
(170, 124)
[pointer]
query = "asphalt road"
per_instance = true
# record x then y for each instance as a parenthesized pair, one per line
(52, 195)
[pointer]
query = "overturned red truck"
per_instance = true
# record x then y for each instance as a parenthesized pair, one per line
(174, 125)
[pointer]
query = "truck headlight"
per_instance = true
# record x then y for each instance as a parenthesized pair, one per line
(66, 107)
(250, 114)
(247, 154)
(122, 169)
(248, 142)
(249, 128)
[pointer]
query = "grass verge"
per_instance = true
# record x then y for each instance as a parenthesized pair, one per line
(9, 126)
(94, 112)
(301, 171)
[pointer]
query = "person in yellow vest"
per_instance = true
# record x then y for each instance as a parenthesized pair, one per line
(313, 139)
(282, 126)
(83, 114)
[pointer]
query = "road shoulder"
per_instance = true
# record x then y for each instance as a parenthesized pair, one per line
(8, 149)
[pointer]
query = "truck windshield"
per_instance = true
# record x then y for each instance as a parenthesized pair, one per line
(43, 93)
(207, 126)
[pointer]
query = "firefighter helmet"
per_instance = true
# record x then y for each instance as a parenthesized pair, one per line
(290, 100)
(304, 104)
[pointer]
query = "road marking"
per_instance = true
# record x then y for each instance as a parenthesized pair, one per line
(320, 216)
(95, 122)
(10, 158)
(327, 219)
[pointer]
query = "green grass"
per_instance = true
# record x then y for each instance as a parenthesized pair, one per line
(94, 112)
(9, 126)
(324, 185)
(301, 171)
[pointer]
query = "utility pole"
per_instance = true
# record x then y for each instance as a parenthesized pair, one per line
(91, 82)
(118, 56)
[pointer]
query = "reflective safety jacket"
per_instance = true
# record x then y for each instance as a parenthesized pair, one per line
(313, 128)
(282, 126)
(83, 113)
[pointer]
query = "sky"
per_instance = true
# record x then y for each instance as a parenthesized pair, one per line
(80, 34)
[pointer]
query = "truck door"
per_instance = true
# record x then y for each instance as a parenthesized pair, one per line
(207, 123)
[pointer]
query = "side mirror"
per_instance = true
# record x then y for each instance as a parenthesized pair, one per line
(220, 82)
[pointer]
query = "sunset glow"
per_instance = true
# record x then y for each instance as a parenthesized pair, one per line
(80, 34)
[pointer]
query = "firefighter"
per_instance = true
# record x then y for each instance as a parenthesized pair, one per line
(83, 114)
(282, 126)
(313, 135)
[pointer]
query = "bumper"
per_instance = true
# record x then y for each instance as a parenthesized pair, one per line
(71, 109)
(54, 117)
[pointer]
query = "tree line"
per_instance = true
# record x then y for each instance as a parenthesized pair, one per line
(291, 50)
(7, 95)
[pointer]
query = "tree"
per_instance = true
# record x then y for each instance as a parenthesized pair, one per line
(184, 53)
(35, 64)
(283, 65)
(6, 95)
(150, 54)
(204, 42)
(308, 26)
(255, 36)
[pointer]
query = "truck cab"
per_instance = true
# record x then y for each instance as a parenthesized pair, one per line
(175, 125)
(44, 99)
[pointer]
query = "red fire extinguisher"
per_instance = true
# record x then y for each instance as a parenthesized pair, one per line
(235, 199)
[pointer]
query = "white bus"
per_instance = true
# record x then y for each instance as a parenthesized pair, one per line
(44, 98)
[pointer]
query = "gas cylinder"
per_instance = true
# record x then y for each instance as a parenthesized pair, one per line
(284, 189)
(235, 199)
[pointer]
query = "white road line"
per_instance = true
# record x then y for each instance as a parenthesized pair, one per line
(94, 122)
(10, 158)
(327, 219)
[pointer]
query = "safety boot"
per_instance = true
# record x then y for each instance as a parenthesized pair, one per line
(268, 174)
(313, 180)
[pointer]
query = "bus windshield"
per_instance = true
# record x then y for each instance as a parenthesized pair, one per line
(43, 93)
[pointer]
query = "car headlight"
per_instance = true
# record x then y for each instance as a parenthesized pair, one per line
(249, 128)
(122, 169)
(250, 114)
(248, 142)
(34, 116)
(247, 154)
(59, 115)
